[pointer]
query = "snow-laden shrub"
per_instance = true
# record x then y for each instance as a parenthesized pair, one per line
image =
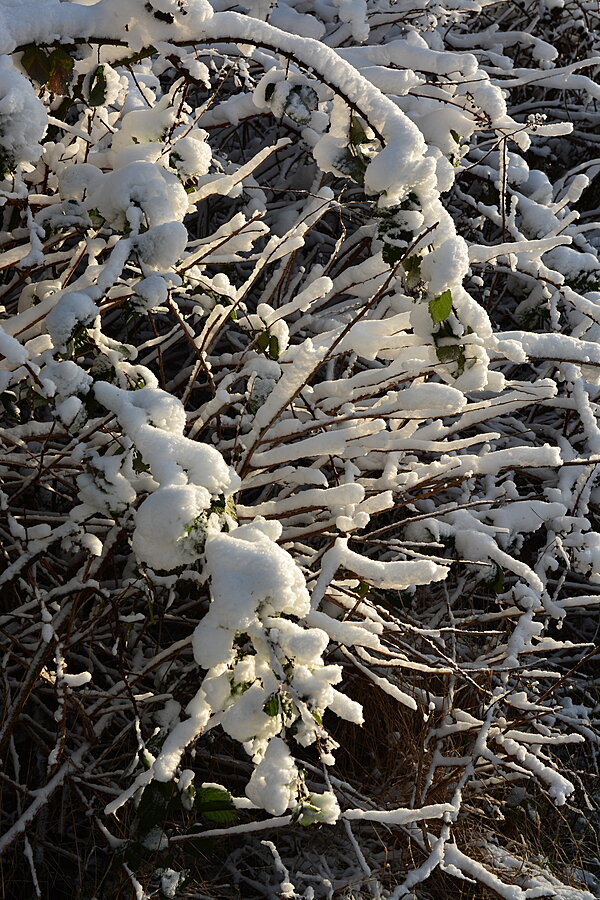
(299, 374)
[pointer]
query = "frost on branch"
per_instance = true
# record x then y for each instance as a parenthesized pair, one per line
(299, 378)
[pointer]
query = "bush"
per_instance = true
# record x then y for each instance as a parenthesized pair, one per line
(299, 376)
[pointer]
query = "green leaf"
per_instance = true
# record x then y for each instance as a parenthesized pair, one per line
(154, 806)
(218, 505)
(352, 163)
(449, 353)
(452, 353)
(358, 134)
(262, 341)
(273, 348)
(412, 266)
(97, 90)
(7, 164)
(9, 402)
(61, 69)
(498, 581)
(216, 804)
(440, 307)
(412, 272)
(138, 465)
(220, 299)
(36, 63)
(306, 813)
(271, 707)
(391, 254)
(300, 103)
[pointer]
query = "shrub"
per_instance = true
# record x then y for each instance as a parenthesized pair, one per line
(299, 375)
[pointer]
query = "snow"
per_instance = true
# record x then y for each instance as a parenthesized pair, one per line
(169, 880)
(155, 421)
(152, 291)
(327, 809)
(77, 181)
(347, 633)
(188, 474)
(64, 378)
(346, 708)
(272, 785)
(164, 766)
(110, 18)
(405, 141)
(157, 195)
(247, 569)
(354, 12)
(305, 645)
(286, 18)
(336, 499)
(22, 119)
(191, 155)
(13, 352)
(68, 410)
(446, 265)
(164, 536)
(104, 488)
(246, 721)
(73, 309)
(559, 787)
(398, 816)
(74, 681)
(162, 245)
(398, 575)
(474, 869)
(316, 683)
(144, 124)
